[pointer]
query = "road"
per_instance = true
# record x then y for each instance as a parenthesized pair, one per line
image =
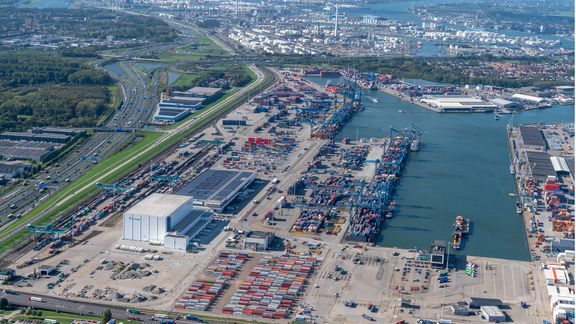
(65, 305)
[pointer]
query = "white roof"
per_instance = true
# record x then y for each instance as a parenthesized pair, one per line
(160, 205)
(491, 311)
(559, 164)
(527, 97)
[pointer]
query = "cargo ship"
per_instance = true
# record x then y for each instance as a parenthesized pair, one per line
(461, 228)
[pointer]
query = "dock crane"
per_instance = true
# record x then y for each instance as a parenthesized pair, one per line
(37, 231)
(114, 188)
(170, 179)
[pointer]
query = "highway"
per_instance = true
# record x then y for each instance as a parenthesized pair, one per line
(66, 305)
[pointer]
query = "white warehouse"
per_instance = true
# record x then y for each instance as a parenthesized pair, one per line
(158, 215)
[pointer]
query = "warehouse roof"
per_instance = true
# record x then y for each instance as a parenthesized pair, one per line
(540, 164)
(476, 302)
(190, 218)
(532, 136)
(559, 164)
(527, 98)
(217, 185)
(204, 91)
(171, 112)
(570, 162)
(159, 205)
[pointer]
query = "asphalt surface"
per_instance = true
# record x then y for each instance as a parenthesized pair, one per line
(68, 306)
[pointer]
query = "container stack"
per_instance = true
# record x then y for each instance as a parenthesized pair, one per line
(272, 288)
(203, 292)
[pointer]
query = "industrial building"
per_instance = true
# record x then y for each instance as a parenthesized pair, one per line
(178, 105)
(9, 171)
(428, 87)
(460, 309)
(506, 105)
(526, 99)
(532, 138)
(204, 92)
(438, 251)
(458, 104)
(165, 218)
(35, 137)
(25, 150)
(492, 314)
(216, 188)
(258, 241)
(6, 274)
(540, 165)
(171, 114)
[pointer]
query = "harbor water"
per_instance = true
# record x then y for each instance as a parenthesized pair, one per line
(462, 168)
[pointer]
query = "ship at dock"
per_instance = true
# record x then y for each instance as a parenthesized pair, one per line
(415, 146)
(461, 228)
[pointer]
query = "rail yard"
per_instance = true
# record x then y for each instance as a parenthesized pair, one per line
(263, 216)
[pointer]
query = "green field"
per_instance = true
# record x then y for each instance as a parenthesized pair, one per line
(185, 79)
(205, 48)
(64, 318)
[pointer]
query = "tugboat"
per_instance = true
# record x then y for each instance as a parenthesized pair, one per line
(518, 207)
(415, 145)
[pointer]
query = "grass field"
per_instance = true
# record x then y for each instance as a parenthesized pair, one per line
(205, 48)
(185, 79)
(64, 318)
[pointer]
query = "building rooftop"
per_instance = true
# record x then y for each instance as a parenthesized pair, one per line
(540, 164)
(532, 136)
(159, 205)
(259, 234)
(478, 302)
(204, 91)
(190, 218)
(215, 184)
(492, 311)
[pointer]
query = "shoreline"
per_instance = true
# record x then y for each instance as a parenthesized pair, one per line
(530, 240)
(402, 97)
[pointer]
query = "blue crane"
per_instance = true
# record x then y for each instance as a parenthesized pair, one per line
(47, 229)
(170, 179)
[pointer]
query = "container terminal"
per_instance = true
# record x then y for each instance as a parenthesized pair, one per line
(542, 162)
(263, 216)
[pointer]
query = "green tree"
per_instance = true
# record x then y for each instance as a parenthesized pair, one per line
(3, 303)
(106, 316)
